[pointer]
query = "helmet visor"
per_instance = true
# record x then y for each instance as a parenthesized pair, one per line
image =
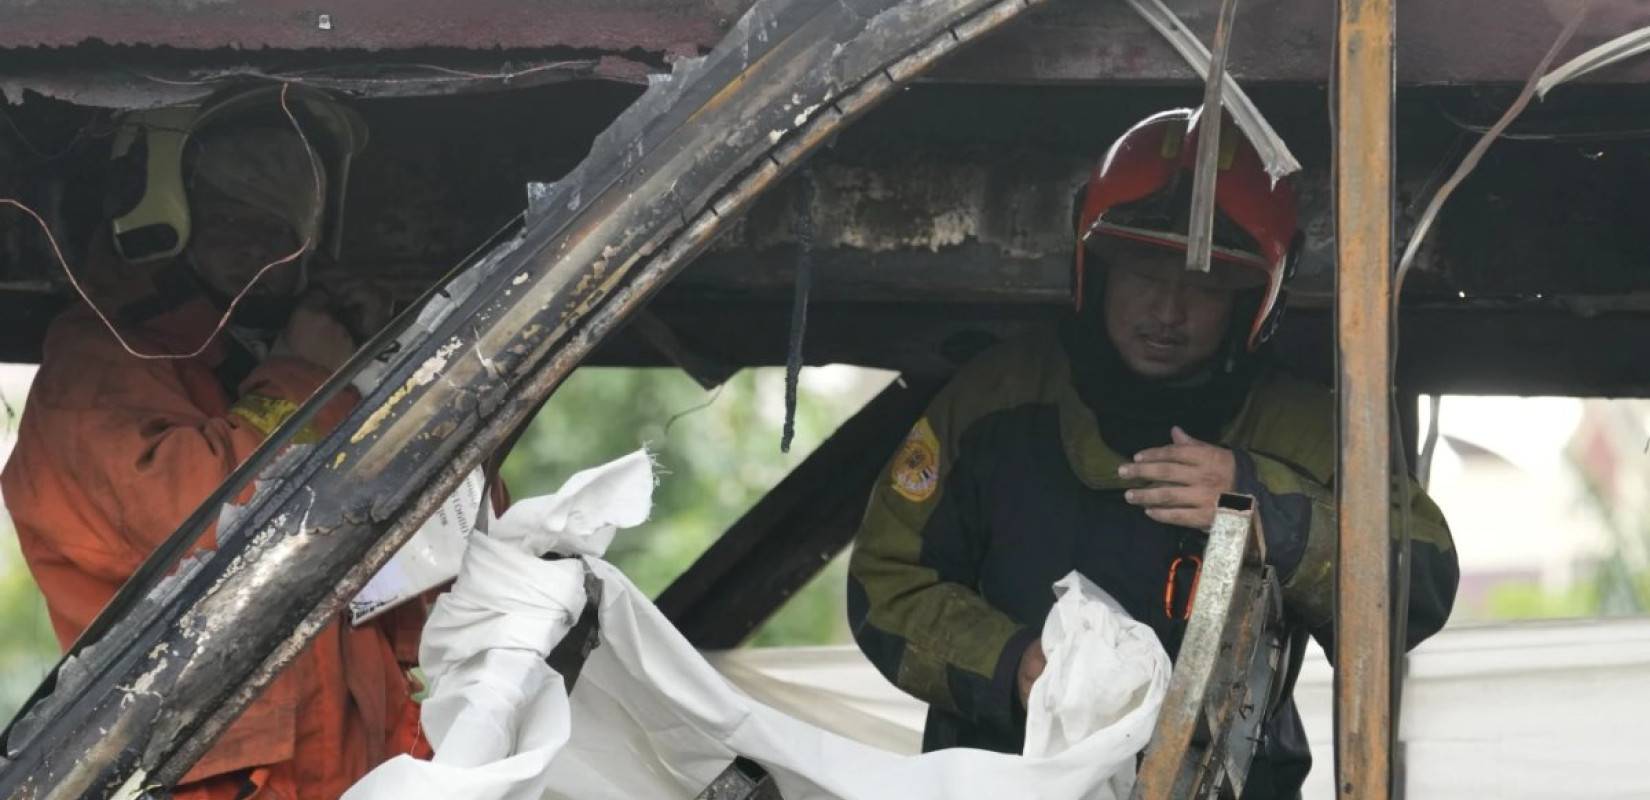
(1162, 256)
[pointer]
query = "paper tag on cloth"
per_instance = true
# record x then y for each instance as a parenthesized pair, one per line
(430, 558)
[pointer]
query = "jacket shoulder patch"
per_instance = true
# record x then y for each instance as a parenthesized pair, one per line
(916, 470)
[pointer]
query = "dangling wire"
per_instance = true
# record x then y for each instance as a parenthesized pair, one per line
(1423, 467)
(1423, 226)
(674, 418)
(799, 306)
(40, 155)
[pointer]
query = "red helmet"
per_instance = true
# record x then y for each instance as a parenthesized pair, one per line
(1141, 191)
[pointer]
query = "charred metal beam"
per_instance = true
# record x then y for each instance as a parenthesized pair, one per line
(961, 194)
(706, 372)
(140, 85)
(1557, 345)
(795, 530)
(691, 154)
(981, 218)
(1363, 344)
(1470, 350)
(679, 27)
(1445, 41)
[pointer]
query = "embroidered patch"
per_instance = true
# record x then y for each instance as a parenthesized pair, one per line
(917, 468)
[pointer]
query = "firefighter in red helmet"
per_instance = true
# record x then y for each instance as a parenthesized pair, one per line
(1102, 446)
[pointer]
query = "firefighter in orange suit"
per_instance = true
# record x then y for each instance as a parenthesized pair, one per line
(114, 450)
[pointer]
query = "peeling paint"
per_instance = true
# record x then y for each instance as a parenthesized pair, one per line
(145, 684)
(134, 787)
(378, 416)
(303, 524)
(486, 363)
(1019, 205)
(433, 365)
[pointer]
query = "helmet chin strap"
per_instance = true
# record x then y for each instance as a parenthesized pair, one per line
(1234, 351)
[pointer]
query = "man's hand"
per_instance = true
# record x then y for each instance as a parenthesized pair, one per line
(1187, 478)
(313, 334)
(1032, 663)
(364, 306)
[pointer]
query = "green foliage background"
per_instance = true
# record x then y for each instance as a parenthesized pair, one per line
(718, 460)
(27, 647)
(719, 452)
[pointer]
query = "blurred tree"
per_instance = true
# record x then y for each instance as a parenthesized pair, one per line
(28, 648)
(1527, 600)
(718, 453)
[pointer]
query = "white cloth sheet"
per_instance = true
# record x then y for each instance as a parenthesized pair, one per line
(650, 718)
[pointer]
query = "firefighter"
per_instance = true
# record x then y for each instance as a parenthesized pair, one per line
(114, 450)
(1103, 445)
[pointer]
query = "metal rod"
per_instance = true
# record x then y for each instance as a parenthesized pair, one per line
(1228, 622)
(1363, 222)
(1201, 235)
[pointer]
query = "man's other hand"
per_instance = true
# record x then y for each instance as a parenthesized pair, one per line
(364, 306)
(1032, 663)
(1187, 480)
(314, 335)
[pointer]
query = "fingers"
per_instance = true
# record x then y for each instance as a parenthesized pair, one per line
(315, 298)
(1170, 497)
(1184, 448)
(1188, 501)
(371, 305)
(1163, 472)
(364, 305)
(1174, 453)
(1186, 506)
(1200, 519)
(363, 292)
(1032, 663)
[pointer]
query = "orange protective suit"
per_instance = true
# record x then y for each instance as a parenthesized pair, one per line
(112, 454)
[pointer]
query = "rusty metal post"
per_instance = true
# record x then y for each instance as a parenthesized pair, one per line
(1363, 287)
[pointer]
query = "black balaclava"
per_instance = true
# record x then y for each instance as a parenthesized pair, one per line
(1135, 413)
(264, 315)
